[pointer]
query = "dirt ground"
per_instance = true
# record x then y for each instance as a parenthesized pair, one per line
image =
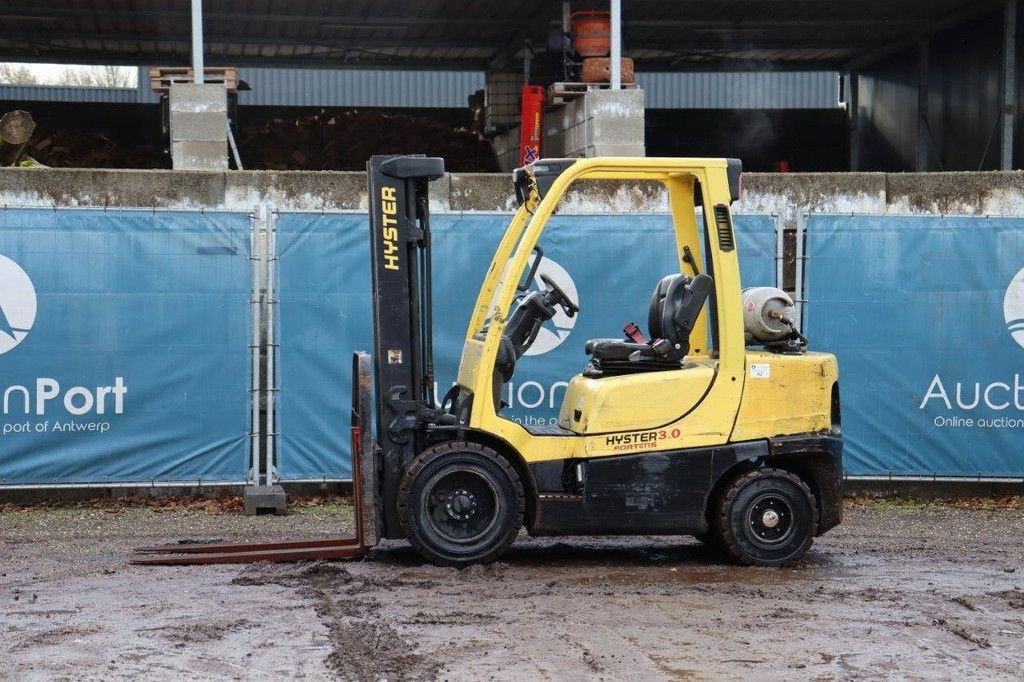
(893, 592)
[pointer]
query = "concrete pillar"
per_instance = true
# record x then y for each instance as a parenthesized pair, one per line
(199, 126)
(1009, 84)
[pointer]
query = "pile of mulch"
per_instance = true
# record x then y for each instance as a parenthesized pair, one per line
(326, 140)
(77, 148)
(345, 139)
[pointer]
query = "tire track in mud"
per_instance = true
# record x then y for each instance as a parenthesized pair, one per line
(364, 643)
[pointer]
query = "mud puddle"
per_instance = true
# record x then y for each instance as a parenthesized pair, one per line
(902, 594)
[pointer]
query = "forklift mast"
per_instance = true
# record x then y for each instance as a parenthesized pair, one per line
(402, 315)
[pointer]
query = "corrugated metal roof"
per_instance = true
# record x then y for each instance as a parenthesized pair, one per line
(741, 90)
(295, 87)
(449, 89)
(65, 93)
(359, 88)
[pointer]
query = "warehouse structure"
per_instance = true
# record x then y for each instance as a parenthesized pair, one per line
(218, 301)
(830, 85)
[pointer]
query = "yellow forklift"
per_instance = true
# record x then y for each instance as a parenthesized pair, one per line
(716, 422)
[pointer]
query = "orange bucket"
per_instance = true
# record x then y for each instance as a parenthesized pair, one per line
(591, 33)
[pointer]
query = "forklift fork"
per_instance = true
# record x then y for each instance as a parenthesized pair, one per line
(364, 498)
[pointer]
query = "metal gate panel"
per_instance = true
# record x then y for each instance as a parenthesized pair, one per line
(612, 262)
(124, 346)
(918, 308)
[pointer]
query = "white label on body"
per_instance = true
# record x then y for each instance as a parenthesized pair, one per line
(760, 370)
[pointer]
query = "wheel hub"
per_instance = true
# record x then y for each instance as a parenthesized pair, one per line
(461, 505)
(770, 520)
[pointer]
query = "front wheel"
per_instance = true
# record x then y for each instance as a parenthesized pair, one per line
(460, 503)
(767, 517)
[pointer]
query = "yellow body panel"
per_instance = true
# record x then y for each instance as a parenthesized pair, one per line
(786, 394)
(670, 410)
(623, 403)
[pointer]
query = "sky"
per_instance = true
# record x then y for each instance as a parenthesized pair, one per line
(49, 74)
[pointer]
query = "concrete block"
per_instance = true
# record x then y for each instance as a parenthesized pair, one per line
(554, 146)
(198, 98)
(192, 126)
(616, 130)
(264, 498)
(615, 103)
(199, 123)
(600, 121)
(199, 154)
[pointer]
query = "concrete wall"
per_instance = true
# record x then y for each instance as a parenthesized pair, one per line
(786, 194)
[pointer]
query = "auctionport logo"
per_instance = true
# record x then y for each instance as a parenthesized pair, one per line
(17, 304)
(554, 332)
(1013, 308)
(995, 396)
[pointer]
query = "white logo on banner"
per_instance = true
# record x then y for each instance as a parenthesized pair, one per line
(557, 329)
(1013, 308)
(996, 395)
(17, 304)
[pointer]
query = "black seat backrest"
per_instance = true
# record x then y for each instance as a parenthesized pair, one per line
(658, 305)
(675, 305)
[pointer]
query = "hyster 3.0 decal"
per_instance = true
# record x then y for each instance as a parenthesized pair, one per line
(640, 440)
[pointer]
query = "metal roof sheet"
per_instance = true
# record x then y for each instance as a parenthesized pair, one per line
(450, 89)
(741, 90)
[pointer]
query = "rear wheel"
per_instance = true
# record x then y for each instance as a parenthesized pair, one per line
(460, 503)
(767, 517)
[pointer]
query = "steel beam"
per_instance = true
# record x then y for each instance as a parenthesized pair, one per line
(921, 164)
(853, 102)
(616, 55)
(1009, 84)
(197, 40)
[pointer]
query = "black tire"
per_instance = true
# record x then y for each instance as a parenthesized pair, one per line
(460, 503)
(767, 517)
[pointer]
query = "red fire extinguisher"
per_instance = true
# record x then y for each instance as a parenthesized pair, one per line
(530, 124)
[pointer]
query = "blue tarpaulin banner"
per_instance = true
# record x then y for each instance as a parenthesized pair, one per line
(926, 316)
(124, 346)
(610, 263)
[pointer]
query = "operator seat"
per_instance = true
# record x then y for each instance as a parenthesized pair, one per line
(675, 305)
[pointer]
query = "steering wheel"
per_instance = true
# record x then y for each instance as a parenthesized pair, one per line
(563, 299)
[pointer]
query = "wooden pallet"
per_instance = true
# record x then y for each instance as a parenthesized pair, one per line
(560, 93)
(160, 78)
